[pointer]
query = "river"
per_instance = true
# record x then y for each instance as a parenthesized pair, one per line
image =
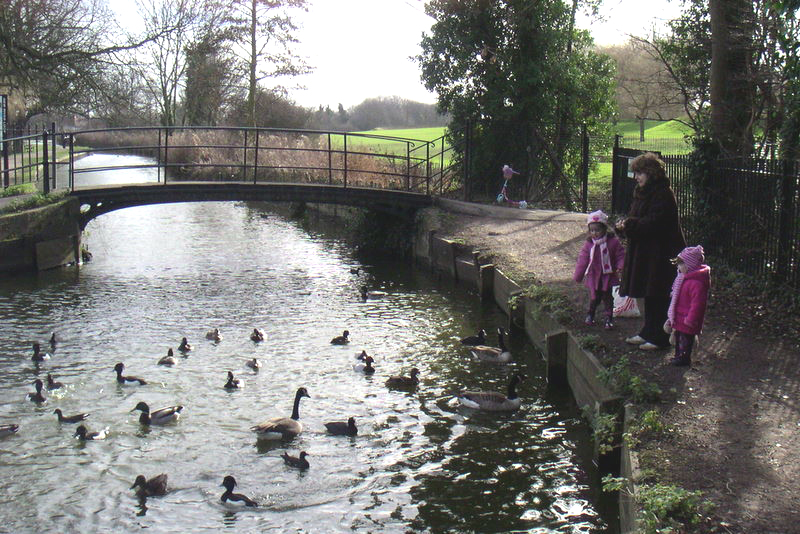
(419, 463)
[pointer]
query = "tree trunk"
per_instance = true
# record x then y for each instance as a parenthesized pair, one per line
(251, 94)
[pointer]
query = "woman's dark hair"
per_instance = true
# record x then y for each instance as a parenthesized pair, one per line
(651, 165)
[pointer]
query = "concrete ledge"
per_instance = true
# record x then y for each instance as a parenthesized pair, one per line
(629, 469)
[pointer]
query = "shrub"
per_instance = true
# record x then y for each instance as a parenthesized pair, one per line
(620, 378)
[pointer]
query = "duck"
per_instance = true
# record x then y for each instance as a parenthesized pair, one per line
(161, 416)
(371, 294)
(365, 367)
(7, 430)
(254, 364)
(153, 487)
(361, 355)
(341, 340)
(126, 379)
(355, 270)
(229, 483)
(499, 354)
(479, 339)
(37, 397)
(283, 427)
(493, 401)
(401, 381)
(39, 356)
(52, 384)
(169, 359)
(70, 418)
(299, 462)
(214, 335)
(233, 383)
(184, 346)
(257, 335)
(53, 341)
(84, 435)
(341, 428)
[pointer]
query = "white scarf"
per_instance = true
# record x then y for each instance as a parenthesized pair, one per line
(605, 257)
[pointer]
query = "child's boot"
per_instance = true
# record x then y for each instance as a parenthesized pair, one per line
(589, 320)
(609, 322)
(681, 361)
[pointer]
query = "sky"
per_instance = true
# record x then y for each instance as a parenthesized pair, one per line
(360, 48)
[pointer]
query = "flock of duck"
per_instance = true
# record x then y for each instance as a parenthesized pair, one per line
(277, 428)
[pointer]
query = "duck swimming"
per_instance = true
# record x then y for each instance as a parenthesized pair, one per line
(342, 428)
(7, 430)
(254, 364)
(84, 435)
(37, 397)
(153, 487)
(341, 340)
(126, 379)
(229, 483)
(214, 335)
(39, 356)
(479, 339)
(283, 427)
(233, 383)
(70, 418)
(52, 384)
(184, 346)
(257, 335)
(371, 294)
(401, 381)
(365, 367)
(161, 416)
(53, 341)
(299, 462)
(169, 359)
(361, 356)
(493, 401)
(499, 354)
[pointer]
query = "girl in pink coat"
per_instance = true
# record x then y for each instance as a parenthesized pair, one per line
(601, 258)
(687, 309)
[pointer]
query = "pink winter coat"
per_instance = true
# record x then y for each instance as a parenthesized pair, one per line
(595, 277)
(690, 308)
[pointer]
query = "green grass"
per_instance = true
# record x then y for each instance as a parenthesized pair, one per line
(659, 129)
(20, 189)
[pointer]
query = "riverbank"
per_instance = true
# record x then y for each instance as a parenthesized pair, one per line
(730, 421)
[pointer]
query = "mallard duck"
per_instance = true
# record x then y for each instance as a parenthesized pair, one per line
(479, 339)
(493, 401)
(214, 335)
(169, 359)
(161, 416)
(37, 397)
(150, 488)
(229, 483)
(499, 354)
(233, 383)
(254, 364)
(371, 294)
(7, 430)
(39, 356)
(365, 367)
(84, 435)
(341, 340)
(126, 379)
(283, 427)
(184, 346)
(401, 381)
(53, 341)
(70, 418)
(52, 384)
(342, 428)
(257, 335)
(299, 462)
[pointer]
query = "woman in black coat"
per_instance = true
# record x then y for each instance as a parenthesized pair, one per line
(654, 236)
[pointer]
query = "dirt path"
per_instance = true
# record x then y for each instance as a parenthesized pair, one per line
(734, 414)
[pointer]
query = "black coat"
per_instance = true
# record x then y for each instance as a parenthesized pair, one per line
(654, 236)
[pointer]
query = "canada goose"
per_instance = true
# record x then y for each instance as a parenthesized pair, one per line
(404, 381)
(184, 346)
(214, 335)
(254, 364)
(126, 379)
(52, 384)
(365, 367)
(70, 418)
(7, 430)
(84, 435)
(233, 383)
(169, 359)
(371, 294)
(299, 462)
(150, 488)
(283, 427)
(257, 335)
(229, 483)
(499, 354)
(37, 397)
(38, 355)
(161, 416)
(341, 428)
(341, 340)
(479, 339)
(493, 401)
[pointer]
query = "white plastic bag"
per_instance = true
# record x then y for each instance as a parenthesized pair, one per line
(624, 306)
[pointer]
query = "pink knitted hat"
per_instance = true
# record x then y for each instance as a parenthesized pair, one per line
(597, 217)
(692, 257)
(508, 172)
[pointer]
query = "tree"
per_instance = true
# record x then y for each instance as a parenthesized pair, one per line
(273, 110)
(210, 80)
(527, 81)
